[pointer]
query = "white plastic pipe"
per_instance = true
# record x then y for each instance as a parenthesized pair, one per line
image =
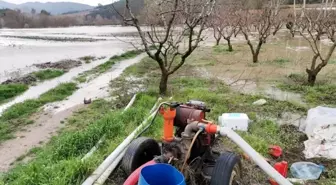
(116, 153)
(95, 148)
(130, 103)
(255, 156)
(155, 105)
(101, 180)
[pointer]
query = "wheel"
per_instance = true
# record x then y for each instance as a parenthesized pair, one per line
(227, 170)
(139, 152)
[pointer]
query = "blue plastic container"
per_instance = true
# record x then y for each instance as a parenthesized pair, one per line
(161, 174)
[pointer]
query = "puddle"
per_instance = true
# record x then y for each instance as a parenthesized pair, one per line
(252, 88)
(278, 94)
(299, 48)
(36, 91)
(96, 89)
(289, 118)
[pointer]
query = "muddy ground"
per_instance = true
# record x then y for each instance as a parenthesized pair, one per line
(30, 79)
(65, 65)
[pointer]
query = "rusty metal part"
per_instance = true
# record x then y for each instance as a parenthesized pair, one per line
(186, 114)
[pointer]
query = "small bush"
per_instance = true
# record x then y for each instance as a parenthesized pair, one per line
(48, 74)
(298, 78)
(11, 90)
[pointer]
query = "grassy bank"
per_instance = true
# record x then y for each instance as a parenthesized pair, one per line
(19, 114)
(59, 162)
(102, 68)
(20, 85)
(48, 74)
(10, 91)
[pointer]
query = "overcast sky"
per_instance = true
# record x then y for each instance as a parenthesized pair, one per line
(90, 2)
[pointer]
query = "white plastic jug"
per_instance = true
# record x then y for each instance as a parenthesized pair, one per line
(235, 121)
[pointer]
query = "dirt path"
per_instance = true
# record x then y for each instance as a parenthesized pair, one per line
(46, 126)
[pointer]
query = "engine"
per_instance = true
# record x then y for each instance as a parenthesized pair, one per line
(189, 144)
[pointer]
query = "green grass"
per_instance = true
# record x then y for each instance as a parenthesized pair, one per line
(222, 49)
(10, 91)
(332, 62)
(315, 95)
(59, 162)
(48, 74)
(281, 61)
(107, 65)
(18, 114)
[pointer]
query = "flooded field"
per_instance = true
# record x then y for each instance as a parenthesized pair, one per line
(21, 48)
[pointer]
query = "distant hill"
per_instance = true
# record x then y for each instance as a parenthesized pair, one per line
(53, 8)
(108, 12)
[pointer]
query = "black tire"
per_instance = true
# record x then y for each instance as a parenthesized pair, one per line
(227, 170)
(139, 152)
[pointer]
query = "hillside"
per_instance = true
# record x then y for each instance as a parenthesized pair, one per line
(108, 12)
(53, 8)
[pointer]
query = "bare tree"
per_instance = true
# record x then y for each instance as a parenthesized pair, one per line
(231, 26)
(225, 23)
(217, 27)
(260, 24)
(313, 26)
(174, 30)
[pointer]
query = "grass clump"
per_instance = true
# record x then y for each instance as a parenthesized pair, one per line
(297, 78)
(281, 61)
(10, 91)
(81, 79)
(18, 114)
(88, 59)
(48, 74)
(315, 95)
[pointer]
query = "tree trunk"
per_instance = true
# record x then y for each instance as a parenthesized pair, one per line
(311, 78)
(218, 41)
(164, 84)
(229, 45)
(257, 51)
(255, 57)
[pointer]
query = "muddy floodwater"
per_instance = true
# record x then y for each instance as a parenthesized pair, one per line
(21, 48)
